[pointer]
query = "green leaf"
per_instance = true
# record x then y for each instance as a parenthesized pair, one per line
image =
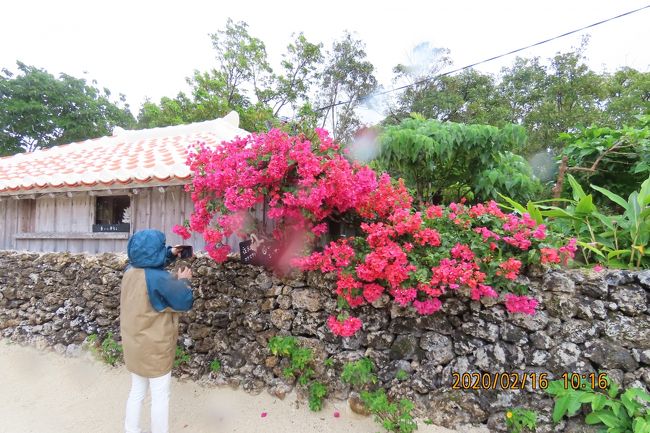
(514, 204)
(591, 248)
(578, 192)
(561, 407)
(554, 212)
(585, 206)
(618, 253)
(613, 197)
(598, 402)
(535, 213)
(592, 419)
(607, 418)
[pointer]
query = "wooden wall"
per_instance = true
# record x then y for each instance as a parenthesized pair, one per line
(154, 209)
(8, 223)
(63, 223)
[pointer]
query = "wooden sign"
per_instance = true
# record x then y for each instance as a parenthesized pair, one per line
(246, 252)
(261, 252)
(111, 228)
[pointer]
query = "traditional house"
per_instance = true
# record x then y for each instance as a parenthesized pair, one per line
(91, 195)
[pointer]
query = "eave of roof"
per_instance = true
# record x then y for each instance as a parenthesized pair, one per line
(126, 159)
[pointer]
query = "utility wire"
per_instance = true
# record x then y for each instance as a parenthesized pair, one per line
(491, 58)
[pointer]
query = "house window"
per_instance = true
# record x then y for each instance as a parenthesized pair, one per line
(112, 214)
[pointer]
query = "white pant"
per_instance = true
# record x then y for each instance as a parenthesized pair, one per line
(159, 403)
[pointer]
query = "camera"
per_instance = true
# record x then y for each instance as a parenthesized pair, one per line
(187, 251)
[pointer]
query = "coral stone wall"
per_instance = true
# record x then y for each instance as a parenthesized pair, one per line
(587, 322)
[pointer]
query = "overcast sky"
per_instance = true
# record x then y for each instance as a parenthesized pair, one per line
(147, 48)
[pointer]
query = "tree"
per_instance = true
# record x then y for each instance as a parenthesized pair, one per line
(469, 97)
(241, 60)
(242, 67)
(347, 79)
(300, 65)
(628, 96)
(447, 161)
(38, 110)
(616, 158)
(554, 99)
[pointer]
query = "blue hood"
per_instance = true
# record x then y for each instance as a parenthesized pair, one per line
(146, 249)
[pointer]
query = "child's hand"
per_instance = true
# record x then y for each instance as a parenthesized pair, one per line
(185, 273)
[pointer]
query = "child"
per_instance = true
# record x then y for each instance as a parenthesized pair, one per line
(149, 304)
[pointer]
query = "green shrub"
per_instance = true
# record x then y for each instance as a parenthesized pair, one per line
(301, 366)
(359, 373)
(617, 158)
(109, 351)
(444, 161)
(519, 420)
(626, 412)
(182, 357)
(617, 240)
(317, 393)
(393, 416)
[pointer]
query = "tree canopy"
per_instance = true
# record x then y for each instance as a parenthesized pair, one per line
(444, 161)
(39, 110)
(313, 85)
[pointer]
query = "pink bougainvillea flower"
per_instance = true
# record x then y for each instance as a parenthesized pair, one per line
(336, 414)
(598, 268)
(549, 255)
(428, 306)
(520, 304)
(263, 415)
(509, 269)
(182, 232)
(483, 290)
(372, 292)
(346, 328)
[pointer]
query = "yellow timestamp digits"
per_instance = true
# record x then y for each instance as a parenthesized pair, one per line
(502, 381)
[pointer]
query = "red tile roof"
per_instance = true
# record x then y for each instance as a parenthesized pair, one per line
(128, 158)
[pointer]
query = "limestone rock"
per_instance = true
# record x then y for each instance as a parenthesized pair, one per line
(631, 300)
(307, 299)
(438, 348)
(607, 355)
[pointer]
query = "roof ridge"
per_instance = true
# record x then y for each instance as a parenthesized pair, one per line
(230, 121)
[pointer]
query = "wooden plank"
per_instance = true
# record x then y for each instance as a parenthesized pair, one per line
(134, 207)
(75, 245)
(27, 215)
(142, 209)
(12, 223)
(164, 220)
(172, 213)
(93, 210)
(4, 236)
(155, 217)
(91, 246)
(62, 214)
(147, 207)
(109, 246)
(81, 213)
(120, 246)
(45, 207)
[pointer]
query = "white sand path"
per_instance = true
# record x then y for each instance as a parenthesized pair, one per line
(45, 392)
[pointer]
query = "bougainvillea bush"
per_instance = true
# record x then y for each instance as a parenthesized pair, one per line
(416, 257)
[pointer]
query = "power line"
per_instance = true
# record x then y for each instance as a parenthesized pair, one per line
(492, 58)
